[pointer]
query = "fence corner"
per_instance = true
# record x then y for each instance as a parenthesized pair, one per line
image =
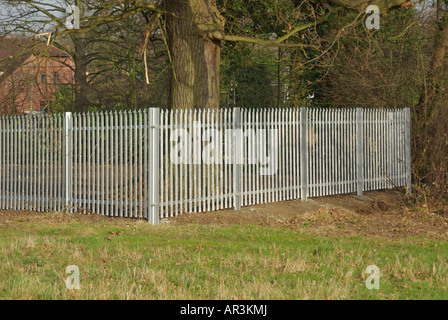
(154, 201)
(237, 159)
(408, 152)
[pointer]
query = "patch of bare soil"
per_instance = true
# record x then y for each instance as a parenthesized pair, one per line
(377, 214)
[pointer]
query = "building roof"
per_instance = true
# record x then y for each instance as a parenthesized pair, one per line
(14, 51)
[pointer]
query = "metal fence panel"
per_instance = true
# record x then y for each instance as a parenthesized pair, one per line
(161, 163)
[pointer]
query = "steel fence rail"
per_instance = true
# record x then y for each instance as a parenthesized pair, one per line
(155, 164)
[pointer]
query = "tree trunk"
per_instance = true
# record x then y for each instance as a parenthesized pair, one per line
(81, 61)
(195, 55)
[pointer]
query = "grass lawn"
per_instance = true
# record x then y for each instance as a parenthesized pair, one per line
(126, 259)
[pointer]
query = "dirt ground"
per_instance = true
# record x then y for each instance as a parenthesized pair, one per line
(378, 214)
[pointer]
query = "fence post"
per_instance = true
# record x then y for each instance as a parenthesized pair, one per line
(304, 153)
(408, 152)
(68, 133)
(154, 156)
(237, 157)
(359, 151)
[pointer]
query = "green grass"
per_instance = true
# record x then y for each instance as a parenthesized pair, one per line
(211, 262)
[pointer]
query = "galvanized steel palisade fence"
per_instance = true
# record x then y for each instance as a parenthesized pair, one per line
(121, 163)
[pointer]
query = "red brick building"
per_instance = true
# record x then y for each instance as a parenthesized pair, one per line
(30, 75)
